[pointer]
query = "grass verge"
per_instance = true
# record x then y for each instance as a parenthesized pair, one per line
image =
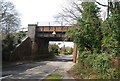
(53, 77)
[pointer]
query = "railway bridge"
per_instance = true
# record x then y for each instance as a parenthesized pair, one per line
(41, 35)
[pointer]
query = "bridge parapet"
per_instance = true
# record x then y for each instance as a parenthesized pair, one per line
(46, 31)
(35, 31)
(54, 28)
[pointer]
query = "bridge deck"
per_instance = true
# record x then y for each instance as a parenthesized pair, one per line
(36, 32)
(54, 28)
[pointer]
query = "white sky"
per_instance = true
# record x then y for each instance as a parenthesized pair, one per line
(33, 11)
(67, 44)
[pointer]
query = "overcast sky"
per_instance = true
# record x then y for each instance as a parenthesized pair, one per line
(33, 11)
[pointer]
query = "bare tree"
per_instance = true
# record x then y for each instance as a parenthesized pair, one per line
(70, 14)
(9, 17)
(113, 6)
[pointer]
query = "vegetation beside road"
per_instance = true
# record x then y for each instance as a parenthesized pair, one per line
(56, 50)
(98, 42)
(54, 76)
(10, 25)
(9, 43)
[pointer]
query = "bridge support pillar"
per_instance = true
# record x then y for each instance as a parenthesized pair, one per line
(40, 49)
(75, 53)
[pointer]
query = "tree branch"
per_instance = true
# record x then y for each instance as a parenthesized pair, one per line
(101, 4)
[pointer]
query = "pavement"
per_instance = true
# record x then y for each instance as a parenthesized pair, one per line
(40, 70)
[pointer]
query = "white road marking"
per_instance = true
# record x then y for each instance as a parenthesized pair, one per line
(5, 77)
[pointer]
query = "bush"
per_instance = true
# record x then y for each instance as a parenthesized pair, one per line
(8, 45)
(71, 51)
(97, 65)
(53, 49)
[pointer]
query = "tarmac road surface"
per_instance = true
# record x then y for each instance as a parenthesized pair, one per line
(38, 70)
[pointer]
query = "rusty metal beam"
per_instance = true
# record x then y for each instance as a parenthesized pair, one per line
(75, 53)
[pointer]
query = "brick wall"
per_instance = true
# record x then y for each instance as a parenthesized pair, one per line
(23, 50)
(40, 49)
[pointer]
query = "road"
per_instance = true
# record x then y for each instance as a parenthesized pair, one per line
(38, 70)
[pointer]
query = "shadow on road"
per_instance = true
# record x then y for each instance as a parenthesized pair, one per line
(37, 66)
